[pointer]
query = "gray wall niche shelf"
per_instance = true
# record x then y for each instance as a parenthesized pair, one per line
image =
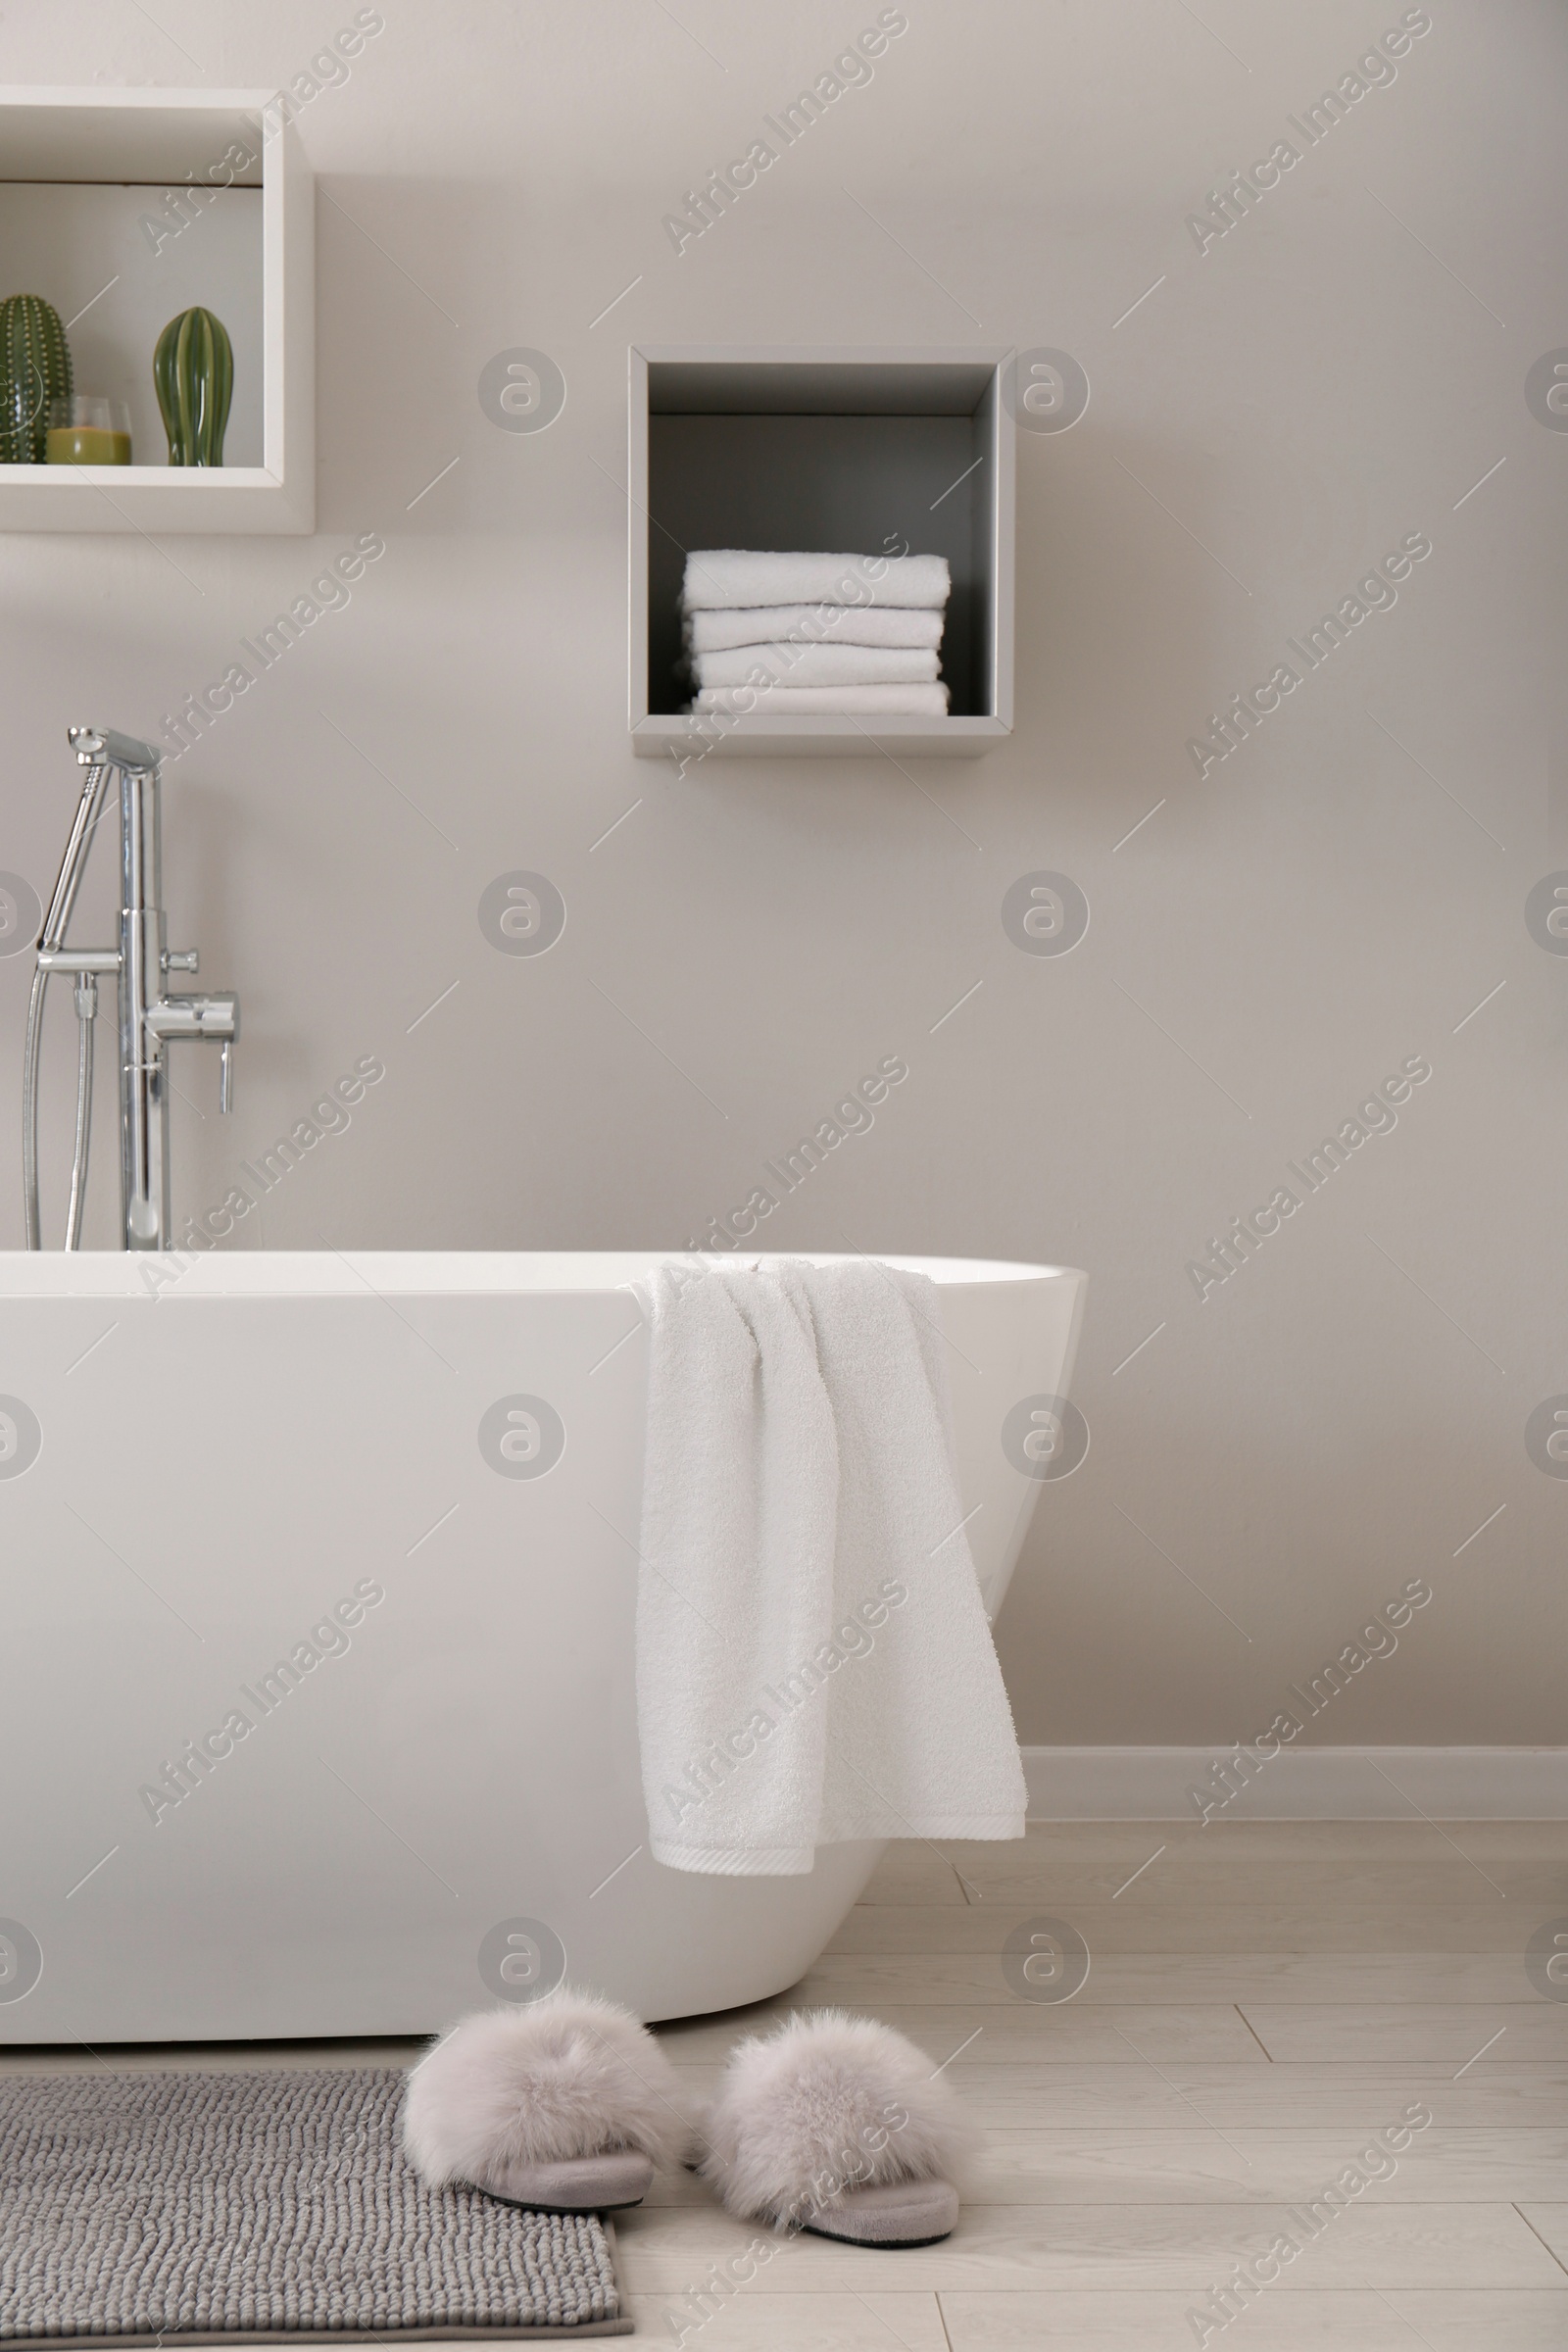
(854, 449)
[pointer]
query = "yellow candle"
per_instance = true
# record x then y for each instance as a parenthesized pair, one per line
(86, 445)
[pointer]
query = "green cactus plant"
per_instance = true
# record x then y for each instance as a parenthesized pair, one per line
(193, 370)
(35, 369)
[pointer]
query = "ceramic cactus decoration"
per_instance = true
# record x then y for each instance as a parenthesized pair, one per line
(193, 370)
(35, 369)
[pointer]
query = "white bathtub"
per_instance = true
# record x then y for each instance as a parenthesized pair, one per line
(191, 1483)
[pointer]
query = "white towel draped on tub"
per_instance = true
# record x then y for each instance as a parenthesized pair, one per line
(813, 1662)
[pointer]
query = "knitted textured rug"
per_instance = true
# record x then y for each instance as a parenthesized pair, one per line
(265, 2207)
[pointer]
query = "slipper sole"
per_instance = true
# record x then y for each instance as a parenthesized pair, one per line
(535, 2205)
(883, 2245)
(606, 2183)
(889, 2213)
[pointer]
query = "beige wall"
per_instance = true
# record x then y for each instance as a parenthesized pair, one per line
(1336, 896)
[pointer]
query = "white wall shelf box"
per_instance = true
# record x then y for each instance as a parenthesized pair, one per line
(80, 169)
(852, 450)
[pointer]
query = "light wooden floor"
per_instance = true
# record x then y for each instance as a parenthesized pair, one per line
(1263, 1997)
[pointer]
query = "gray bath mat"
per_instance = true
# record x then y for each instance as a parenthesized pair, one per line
(266, 2208)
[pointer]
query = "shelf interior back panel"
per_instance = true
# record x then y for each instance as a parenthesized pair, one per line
(85, 248)
(859, 484)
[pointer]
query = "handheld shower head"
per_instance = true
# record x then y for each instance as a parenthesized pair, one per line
(95, 745)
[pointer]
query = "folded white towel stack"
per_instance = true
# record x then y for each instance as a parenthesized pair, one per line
(767, 665)
(718, 578)
(763, 630)
(813, 624)
(822, 701)
(813, 1662)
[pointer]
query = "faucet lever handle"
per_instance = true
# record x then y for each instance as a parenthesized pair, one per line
(225, 1077)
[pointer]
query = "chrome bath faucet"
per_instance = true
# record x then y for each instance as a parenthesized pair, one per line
(149, 1017)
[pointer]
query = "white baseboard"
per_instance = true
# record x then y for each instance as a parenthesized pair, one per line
(1300, 1784)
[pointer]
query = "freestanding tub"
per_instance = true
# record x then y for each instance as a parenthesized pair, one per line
(317, 1583)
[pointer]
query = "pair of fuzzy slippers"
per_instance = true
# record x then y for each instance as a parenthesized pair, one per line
(833, 2123)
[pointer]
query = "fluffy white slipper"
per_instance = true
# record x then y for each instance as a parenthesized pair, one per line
(836, 2124)
(566, 2106)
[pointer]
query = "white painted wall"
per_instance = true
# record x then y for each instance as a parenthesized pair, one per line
(1338, 895)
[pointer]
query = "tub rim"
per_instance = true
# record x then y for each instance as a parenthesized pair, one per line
(172, 1276)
